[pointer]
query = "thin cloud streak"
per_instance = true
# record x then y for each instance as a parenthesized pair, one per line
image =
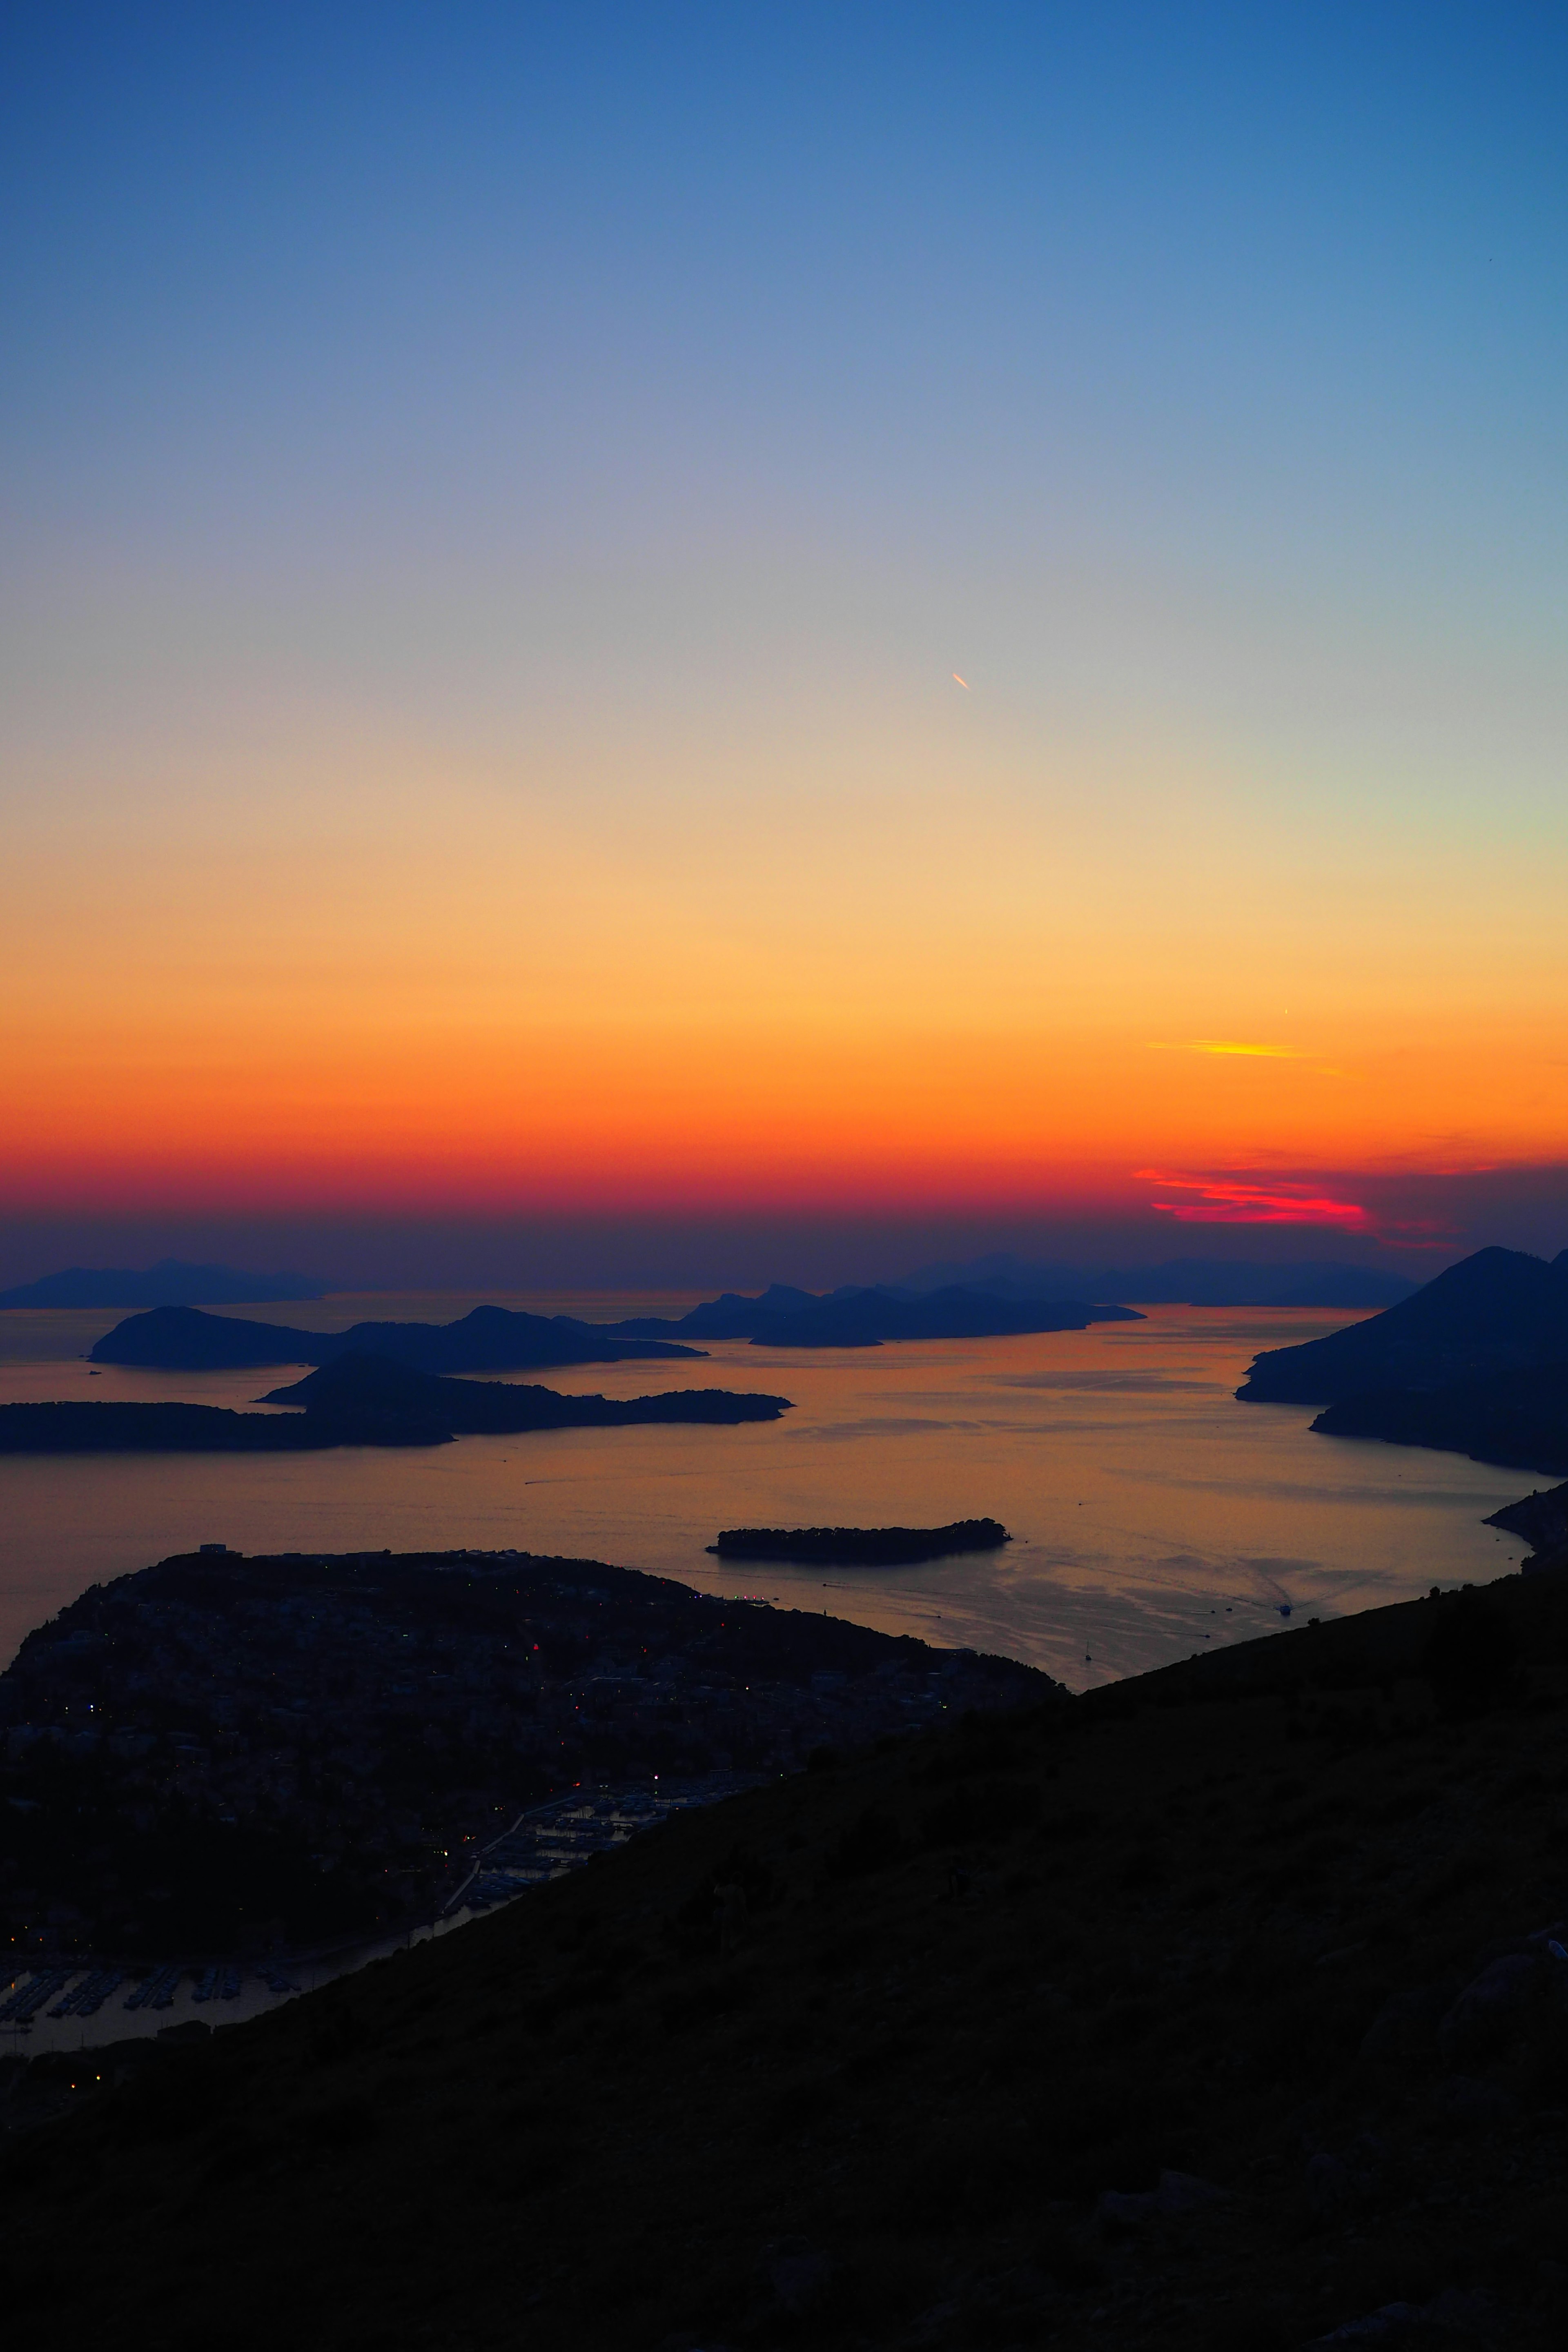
(1227, 1045)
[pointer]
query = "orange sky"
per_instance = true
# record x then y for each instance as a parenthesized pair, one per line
(740, 613)
(420, 986)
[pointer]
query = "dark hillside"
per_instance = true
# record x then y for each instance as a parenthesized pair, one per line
(1213, 2012)
(1496, 1311)
(1518, 1419)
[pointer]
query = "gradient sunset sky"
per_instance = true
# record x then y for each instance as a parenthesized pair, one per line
(666, 611)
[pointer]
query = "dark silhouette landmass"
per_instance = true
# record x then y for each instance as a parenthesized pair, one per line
(356, 1388)
(1518, 1419)
(494, 1339)
(359, 1401)
(784, 1318)
(219, 1750)
(1541, 1519)
(1215, 2011)
(861, 1547)
(1183, 1281)
(1498, 1312)
(169, 1283)
(489, 1340)
(170, 1428)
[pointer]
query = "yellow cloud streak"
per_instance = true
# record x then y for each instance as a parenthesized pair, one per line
(1223, 1045)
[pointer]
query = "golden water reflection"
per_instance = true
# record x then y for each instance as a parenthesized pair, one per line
(1152, 1513)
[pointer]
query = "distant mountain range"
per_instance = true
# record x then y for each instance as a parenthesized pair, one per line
(1182, 1281)
(169, 1283)
(784, 1318)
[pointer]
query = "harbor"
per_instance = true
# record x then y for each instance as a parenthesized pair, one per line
(85, 2004)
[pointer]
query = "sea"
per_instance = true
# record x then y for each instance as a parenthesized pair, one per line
(1152, 1516)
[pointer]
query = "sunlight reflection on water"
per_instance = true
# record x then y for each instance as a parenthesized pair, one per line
(1151, 1511)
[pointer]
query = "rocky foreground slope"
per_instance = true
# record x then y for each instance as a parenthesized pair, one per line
(1223, 2008)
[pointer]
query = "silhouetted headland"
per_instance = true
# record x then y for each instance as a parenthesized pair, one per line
(861, 1547)
(1541, 1519)
(169, 1283)
(781, 1316)
(1518, 1419)
(359, 1401)
(1498, 1312)
(489, 1340)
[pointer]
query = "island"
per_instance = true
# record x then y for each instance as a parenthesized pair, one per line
(861, 1547)
(489, 1340)
(781, 1316)
(221, 1754)
(498, 1339)
(360, 1401)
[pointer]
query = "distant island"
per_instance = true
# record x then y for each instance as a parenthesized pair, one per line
(781, 1316)
(861, 1547)
(359, 1401)
(1183, 1281)
(490, 1339)
(169, 1283)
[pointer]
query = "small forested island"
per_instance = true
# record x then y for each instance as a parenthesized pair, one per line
(489, 1340)
(218, 1754)
(360, 1401)
(861, 1547)
(781, 1316)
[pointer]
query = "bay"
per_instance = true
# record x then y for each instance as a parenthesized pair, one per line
(1152, 1515)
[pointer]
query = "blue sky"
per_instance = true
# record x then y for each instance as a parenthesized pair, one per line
(579, 445)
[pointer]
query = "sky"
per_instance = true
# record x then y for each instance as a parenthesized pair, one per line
(793, 618)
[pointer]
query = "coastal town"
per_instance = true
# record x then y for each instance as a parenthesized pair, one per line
(220, 1761)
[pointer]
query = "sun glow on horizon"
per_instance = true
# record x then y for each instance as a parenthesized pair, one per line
(475, 731)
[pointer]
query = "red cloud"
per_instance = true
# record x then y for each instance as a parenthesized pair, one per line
(1282, 1200)
(1223, 1202)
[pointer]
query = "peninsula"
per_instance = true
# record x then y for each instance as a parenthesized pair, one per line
(1475, 1363)
(218, 1752)
(1497, 1311)
(861, 1547)
(1518, 1419)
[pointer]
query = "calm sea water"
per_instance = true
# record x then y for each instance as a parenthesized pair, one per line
(1152, 1513)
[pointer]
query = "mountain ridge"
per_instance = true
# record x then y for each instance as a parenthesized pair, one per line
(172, 1282)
